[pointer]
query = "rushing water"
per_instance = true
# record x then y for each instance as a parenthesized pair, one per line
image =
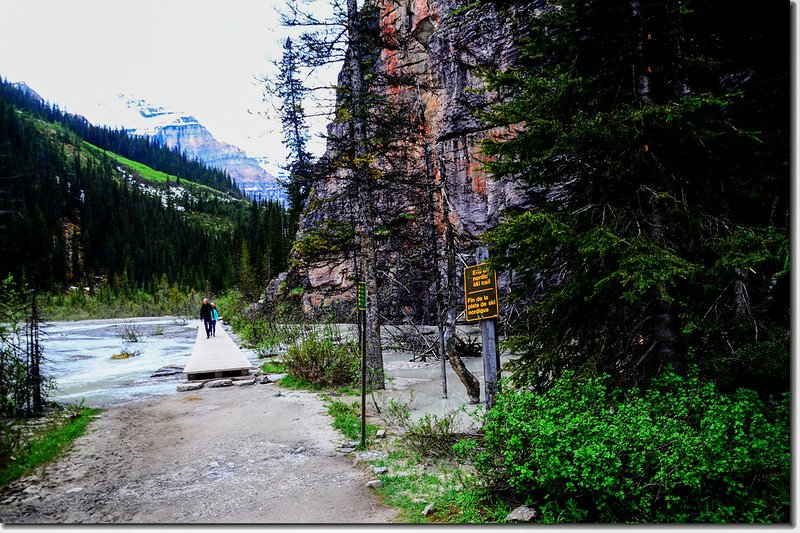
(78, 358)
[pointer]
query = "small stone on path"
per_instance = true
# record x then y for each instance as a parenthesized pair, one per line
(374, 484)
(278, 394)
(378, 470)
(522, 514)
(346, 449)
(368, 456)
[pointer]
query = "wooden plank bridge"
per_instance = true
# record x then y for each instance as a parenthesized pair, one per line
(217, 357)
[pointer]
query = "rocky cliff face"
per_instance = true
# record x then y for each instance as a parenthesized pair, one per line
(184, 131)
(437, 45)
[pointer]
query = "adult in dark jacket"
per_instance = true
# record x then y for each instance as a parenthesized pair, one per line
(205, 316)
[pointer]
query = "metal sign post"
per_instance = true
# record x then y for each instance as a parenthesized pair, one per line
(362, 317)
(480, 300)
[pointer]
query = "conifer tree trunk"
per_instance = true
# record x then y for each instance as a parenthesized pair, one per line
(364, 181)
(471, 383)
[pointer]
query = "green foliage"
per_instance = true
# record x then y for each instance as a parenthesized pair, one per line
(411, 484)
(322, 359)
(271, 367)
(659, 180)
(330, 237)
(291, 382)
(347, 419)
(47, 444)
(678, 452)
(121, 302)
(80, 221)
(431, 435)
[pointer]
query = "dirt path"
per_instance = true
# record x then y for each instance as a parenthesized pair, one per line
(239, 454)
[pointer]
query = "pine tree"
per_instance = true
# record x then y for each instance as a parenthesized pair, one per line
(653, 140)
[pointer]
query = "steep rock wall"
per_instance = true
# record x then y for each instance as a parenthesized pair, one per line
(437, 45)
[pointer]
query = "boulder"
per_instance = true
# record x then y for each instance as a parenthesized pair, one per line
(347, 449)
(522, 514)
(276, 377)
(245, 382)
(219, 383)
(186, 387)
(378, 470)
(264, 380)
(428, 509)
(381, 433)
(374, 484)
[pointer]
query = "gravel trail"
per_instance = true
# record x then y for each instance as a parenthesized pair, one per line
(230, 455)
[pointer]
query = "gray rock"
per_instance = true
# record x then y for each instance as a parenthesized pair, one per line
(381, 433)
(347, 449)
(522, 514)
(279, 393)
(73, 490)
(276, 377)
(368, 456)
(353, 444)
(374, 484)
(186, 387)
(169, 370)
(428, 509)
(245, 382)
(378, 470)
(219, 383)
(265, 380)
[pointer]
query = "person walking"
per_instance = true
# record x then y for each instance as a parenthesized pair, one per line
(214, 318)
(205, 316)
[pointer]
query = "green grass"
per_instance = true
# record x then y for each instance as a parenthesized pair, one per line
(291, 382)
(150, 174)
(347, 419)
(453, 492)
(46, 446)
(271, 367)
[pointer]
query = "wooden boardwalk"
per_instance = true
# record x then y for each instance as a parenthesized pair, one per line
(215, 357)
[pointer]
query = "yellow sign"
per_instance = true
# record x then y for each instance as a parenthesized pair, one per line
(480, 292)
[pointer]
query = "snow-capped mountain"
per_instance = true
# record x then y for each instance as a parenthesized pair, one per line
(175, 129)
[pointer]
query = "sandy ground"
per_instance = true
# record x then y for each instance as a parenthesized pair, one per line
(232, 455)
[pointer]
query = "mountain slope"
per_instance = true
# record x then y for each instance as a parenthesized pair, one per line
(185, 133)
(76, 215)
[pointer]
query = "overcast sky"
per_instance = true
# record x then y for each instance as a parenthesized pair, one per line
(196, 56)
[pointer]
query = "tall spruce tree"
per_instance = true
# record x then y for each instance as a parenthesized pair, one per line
(654, 138)
(291, 91)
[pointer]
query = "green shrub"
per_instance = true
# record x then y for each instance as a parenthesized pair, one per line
(321, 360)
(678, 452)
(432, 435)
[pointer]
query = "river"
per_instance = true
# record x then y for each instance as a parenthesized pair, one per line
(78, 358)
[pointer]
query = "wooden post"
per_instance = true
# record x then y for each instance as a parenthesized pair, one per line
(491, 358)
(362, 318)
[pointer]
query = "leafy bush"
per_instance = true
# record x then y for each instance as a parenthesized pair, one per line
(323, 360)
(432, 435)
(678, 452)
